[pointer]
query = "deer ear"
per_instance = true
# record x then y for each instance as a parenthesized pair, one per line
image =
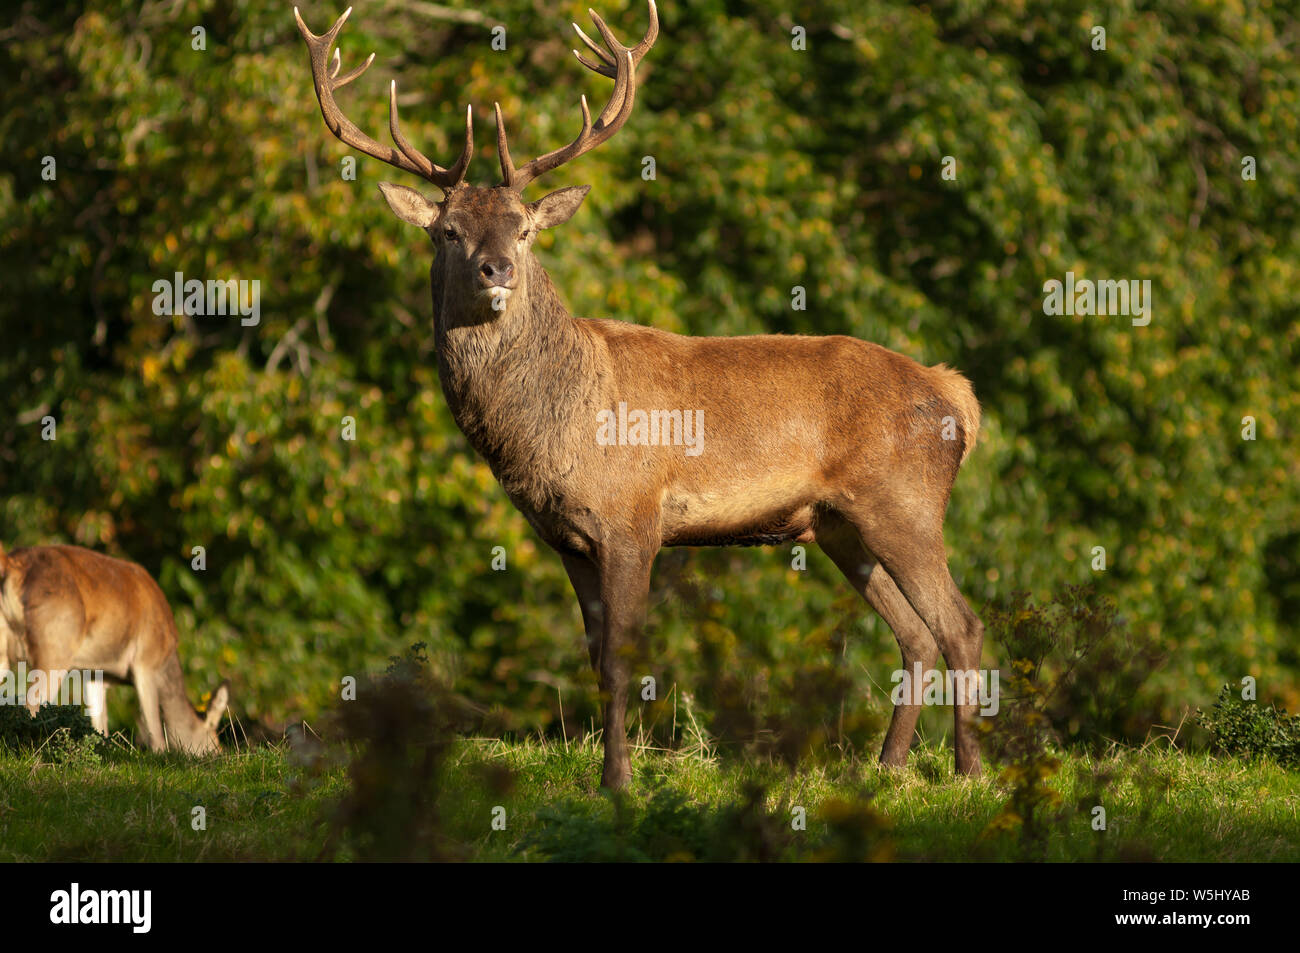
(217, 706)
(409, 205)
(558, 207)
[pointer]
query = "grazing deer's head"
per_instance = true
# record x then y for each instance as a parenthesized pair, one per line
(482, 235)
(200, 737)
(184, 727)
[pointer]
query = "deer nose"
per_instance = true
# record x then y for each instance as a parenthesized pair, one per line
(498, 272)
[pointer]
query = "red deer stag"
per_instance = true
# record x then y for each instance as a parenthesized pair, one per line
(829, 439)
(64, 608)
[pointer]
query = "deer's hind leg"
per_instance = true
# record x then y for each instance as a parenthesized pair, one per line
(906, 536)
(842, 542)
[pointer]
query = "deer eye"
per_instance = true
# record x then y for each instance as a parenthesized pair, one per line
(451, 234)
(523, 236)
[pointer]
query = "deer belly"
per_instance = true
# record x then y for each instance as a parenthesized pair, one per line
(13, 650)
(758, 517)
(115, 667)
(106, 651)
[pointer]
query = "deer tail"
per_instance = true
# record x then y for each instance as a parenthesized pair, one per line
(959, 392)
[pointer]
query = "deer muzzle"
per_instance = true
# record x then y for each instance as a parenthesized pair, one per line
(498, 275)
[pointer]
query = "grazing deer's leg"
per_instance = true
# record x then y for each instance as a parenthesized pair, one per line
(43, 689)
(146, 690)
(842, 543)
(53, 630)
(624, 592)
(914, 557)
(95, 695)
(586, 585)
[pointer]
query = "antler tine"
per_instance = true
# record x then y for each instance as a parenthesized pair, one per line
(608, 66)
(406, 157)
(431, 170)
(621, 62)
(352, 74)
(621, 77)
(503, 147)
(509, 177)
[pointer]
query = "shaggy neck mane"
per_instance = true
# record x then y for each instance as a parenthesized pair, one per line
(514, 379)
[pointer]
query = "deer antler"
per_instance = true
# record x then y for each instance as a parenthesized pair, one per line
(618, 62)
(408, 159)
(608, 67)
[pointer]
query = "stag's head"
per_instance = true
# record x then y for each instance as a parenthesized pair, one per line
(482, 235)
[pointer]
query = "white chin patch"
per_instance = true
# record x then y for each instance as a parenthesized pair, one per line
(496, 291)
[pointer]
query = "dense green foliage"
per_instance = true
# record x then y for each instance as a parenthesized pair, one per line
(1251, 730)
(776, 168)
(20, 729)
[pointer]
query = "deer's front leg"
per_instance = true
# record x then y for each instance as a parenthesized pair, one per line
(624, 590)
(586, 586)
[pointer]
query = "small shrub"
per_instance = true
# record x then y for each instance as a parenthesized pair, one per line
(397, 735)
(1074, 669)
(1085, 661)
(67, 725)
(79, 751)
(1021, 742)
(1252, 730)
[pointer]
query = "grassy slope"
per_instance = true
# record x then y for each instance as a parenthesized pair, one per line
(137, 806)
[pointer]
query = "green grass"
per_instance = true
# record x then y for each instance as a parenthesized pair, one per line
(264, 804)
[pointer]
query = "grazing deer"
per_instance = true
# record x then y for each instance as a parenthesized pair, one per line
(829, 439)
(64, 608)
